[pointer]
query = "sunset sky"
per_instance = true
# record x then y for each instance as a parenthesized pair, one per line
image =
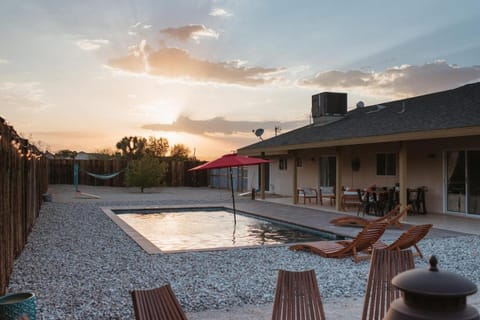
(81, 75)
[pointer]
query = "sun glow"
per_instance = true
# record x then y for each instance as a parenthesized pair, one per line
(159, 112)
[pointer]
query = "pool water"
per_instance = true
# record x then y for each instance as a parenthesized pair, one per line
(212, 229)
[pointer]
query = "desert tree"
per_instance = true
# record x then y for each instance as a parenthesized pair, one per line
(180, 152)
(132, 147)
(157, 147)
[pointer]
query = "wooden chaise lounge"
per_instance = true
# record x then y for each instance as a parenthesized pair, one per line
(364, 240)
(157, 304)
(409, 238)
(297, 297)
(380, 292)
(392, 217)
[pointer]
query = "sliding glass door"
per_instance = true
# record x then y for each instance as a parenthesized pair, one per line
(463, 181)
(473, 182)
(327, 169)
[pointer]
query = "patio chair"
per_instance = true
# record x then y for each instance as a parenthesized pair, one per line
(351, 199)
(409, 238)
(345, 248)
(327, 193)
(309, 193)
(393, 218)
(297, 296)
(416, 197)
(157, 304)
(380, 292)
(369, 203)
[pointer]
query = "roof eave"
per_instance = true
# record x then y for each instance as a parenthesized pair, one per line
(405, 136)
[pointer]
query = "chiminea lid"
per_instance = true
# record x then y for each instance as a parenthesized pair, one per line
(434, 282)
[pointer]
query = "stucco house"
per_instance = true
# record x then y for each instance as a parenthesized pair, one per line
(431, 140)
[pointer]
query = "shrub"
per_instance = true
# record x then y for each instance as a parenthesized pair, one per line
(145, 173)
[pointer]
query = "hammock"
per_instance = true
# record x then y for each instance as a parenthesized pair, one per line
(104, 176)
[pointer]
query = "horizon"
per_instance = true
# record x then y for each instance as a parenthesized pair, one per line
(81, 76)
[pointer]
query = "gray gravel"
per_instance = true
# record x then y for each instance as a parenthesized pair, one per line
(82, 266)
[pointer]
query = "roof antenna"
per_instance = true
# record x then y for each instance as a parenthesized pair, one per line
(277, 130)
(258, 133)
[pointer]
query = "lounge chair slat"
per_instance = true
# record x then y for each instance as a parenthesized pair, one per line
(379, 293)
(393, 217)
(297, 296)
(409, 238)
(339, 249)
(157, 304)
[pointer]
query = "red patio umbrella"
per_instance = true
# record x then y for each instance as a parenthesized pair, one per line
(230, 161)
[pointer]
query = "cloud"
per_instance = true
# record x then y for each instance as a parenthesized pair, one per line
(4, 61)
(219, 12)
(192, 31)
(91, 44)
(138, 29)
(177, 63)
(400, 81)
(136, 25)
(218, 125)
(22, 95)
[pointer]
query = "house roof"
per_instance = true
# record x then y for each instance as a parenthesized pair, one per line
(448, 113)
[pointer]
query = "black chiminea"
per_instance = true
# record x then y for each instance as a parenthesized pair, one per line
(432, 294)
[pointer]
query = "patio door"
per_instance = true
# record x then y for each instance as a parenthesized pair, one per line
(463, 181)
(327, 169)
(267, 176)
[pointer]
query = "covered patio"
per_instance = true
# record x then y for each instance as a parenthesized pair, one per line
(430, 142)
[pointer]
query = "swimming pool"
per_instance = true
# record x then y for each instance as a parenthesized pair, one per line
(186, 229)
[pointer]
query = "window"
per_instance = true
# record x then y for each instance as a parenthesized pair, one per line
(386, 164)
(282, 164)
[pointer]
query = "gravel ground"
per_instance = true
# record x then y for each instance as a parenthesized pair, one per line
(81, 266)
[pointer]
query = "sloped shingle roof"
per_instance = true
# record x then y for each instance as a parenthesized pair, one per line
(456, 108)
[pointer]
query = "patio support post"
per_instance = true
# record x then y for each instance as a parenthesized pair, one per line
(338, 179)
(295, 180)
(262, 179)
(402, 173)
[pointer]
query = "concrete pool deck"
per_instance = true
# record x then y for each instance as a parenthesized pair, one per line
(313, 216)
(279, 208)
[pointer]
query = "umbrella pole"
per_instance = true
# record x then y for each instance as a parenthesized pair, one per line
(233, 197)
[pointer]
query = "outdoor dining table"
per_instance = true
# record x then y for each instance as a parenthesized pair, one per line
(380, 199)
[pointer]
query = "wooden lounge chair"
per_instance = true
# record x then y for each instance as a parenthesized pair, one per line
(309, 193)
(157, 304)
(380, 292)
(297, 296)
(409, 238)
(340, 249)
(392, 217)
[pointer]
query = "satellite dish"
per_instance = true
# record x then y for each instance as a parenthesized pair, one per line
(379, 107)
(259, 133)
(360, 104)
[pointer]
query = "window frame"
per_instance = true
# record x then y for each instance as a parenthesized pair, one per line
(389, 165)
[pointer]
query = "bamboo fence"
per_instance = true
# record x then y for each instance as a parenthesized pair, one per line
(23, 181)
